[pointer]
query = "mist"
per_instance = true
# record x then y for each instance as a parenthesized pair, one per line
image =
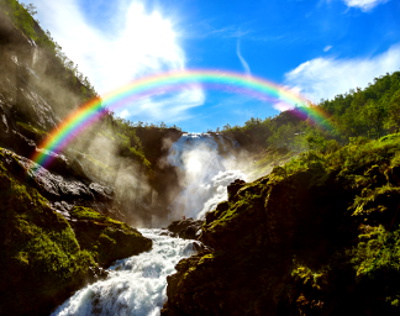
(194, 171)
(206, 165)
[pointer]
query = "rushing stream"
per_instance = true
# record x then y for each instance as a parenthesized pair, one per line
(136, 285)
(205, 172)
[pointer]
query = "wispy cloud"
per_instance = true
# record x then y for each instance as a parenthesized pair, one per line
(169, 108)
(324, 78)
(146, 42)
(243, 61)
(207, 28)
(364, 5)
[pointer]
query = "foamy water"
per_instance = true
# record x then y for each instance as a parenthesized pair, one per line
(136, 285)
(204, 173)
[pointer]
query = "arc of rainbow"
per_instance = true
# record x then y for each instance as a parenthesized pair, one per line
(93, 110)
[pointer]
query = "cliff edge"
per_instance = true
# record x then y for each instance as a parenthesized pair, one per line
(319, 236)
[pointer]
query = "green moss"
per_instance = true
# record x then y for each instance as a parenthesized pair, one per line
(81, 212)
(391, 138)
(324, 229)
(207, 258)
(377, 250)
(34, 131)
(105, 238)
(377, 200)
(395, 162)
(308, 277)
(38, 245)
(87, 213)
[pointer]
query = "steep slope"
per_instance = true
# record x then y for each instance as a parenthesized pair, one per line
(40, 87)
(47, 255)
(56, 233)
(319, 236)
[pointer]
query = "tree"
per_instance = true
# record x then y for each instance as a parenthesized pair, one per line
(373, 116)
(31, 8)
(393, 121)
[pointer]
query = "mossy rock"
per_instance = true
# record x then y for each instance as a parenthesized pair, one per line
(105, 238)
(42, 262)
(32, 132)
(45, 258)
(318, 236)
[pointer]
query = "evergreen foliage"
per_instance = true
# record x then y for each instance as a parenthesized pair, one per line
(372, 113)
(317, 236)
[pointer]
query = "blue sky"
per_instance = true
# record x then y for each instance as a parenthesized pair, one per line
(319, 48)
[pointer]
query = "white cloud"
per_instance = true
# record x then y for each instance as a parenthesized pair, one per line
(364, 5)
(327, 48)
(243, 61)
(146, 43)
(171, 106)
(324, 78)
(124, 114)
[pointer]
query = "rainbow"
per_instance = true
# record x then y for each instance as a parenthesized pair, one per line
(93, 110)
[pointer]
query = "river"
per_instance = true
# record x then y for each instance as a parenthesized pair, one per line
(136, 286)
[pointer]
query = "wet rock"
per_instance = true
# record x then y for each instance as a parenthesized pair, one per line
(219, 210)
(253, 240)
(109, 240)
(60, 190)
(234, 187)
(97, 274)
(394, 175)
(186, 228)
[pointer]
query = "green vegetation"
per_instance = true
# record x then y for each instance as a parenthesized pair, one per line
(38, 245)
(320, 234)
(86, 213)
(22, 17)
(44, 257)
(370, 113)
(105, 238)
(32, 131)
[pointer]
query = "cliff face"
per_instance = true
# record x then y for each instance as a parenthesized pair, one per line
(48, 253)
(37, 91)
(57, 228)
(319, 236)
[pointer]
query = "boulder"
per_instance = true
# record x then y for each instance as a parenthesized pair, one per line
(234, 187)
(186, 228)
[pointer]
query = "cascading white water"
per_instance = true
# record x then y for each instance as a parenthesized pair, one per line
(204, 173)
(136, 285)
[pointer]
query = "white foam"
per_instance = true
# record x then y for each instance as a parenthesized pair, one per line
(204, 173)
(135, 286)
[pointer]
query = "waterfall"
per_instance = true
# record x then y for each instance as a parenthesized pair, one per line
(205, 167)
(136, 285)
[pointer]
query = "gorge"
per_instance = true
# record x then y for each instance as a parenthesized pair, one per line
(134, 286)
(137, 285)
(278, 217)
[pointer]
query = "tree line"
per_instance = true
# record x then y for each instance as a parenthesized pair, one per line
(369, 113)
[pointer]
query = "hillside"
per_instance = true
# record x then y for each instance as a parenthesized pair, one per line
(62, 225)
(318, 236)
(371, 112)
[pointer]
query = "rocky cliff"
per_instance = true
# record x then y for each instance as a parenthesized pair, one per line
(319, 236)
(50, 246)
(59, 226)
